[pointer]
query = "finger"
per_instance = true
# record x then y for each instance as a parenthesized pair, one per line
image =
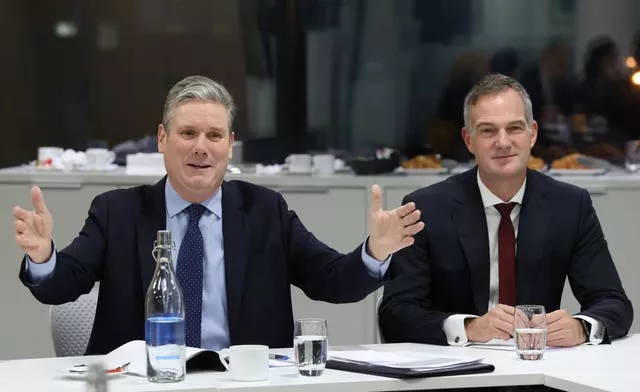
(405, 210)
(406, 242)
(411, 218)
(505, 315)
(520, 319)
(556, 326)
(558, 339)
(413, 229)
(19, 226)
(510, 310)
(21, 213)
(554, 316)
(376, 198)
(38, 200)
(504, 326)
(538, 321)
(555, 335)
(26, 243)
(500, 334)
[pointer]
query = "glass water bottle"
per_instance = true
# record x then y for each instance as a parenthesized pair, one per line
(164, 323)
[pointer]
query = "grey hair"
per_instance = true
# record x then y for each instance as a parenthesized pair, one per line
(493, 84)
(199, 88)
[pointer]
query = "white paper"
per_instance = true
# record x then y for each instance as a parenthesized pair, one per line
(402, 359)
(495, 344)
(504, 345)
(134, 352)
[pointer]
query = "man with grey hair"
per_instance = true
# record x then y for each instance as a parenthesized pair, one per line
(239, 248)
(461, 280)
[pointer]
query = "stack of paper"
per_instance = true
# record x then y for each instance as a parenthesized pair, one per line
(496, 344)
(402, 359)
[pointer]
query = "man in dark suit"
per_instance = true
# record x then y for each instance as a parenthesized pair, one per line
(461, 279)
(244, 247)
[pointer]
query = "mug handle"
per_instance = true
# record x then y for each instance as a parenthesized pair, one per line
(222, 354)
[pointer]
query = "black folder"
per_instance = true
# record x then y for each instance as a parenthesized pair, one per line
(386, 371)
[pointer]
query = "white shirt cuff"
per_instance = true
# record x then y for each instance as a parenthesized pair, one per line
(597, 329)
(453, 327)
(375, 268)
(37, 272)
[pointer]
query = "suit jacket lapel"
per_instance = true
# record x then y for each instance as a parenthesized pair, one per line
(152, 218)
(471, 225)
(532, 229)
(235, 231)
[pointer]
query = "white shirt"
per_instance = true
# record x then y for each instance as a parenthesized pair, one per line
(453, 326)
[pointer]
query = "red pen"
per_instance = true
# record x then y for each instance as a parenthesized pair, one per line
(119, 369)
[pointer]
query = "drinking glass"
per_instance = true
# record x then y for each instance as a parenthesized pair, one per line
(530, 323)
(632, 156)
(310, 346)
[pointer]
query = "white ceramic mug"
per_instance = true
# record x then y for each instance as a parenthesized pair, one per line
(299, 163)
(246, 362)
(46, 155)
(324, 164)
(99, 158)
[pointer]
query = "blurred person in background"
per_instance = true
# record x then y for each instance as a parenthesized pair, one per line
(551, 84)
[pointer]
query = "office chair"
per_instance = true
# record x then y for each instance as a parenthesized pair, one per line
(71, 324)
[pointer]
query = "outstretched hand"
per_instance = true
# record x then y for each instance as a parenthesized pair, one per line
(390, 231)
(34, 228)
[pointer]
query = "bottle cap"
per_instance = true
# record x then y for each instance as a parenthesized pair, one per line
(163, 238)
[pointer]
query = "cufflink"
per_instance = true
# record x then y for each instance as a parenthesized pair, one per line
(457, 339)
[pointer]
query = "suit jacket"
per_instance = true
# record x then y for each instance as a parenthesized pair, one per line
(266, 248)
(446, 271)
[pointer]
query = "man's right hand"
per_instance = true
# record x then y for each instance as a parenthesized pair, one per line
(34, 228)
(498, 323)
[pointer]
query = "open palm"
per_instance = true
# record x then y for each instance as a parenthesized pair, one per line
(390, 231)
(34, 228)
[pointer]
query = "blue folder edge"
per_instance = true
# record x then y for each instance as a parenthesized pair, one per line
(385, 371)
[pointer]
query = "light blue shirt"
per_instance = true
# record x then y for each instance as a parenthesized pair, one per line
(214, 326)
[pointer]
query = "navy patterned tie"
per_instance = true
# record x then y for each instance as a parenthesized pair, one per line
(189, 271)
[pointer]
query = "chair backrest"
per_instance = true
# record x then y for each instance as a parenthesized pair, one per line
(71, 324)
(378, 302)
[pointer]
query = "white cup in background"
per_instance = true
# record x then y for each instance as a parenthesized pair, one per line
(99, 158)
(299, 163)
(246, 362)
(324, 164)
(47, 155)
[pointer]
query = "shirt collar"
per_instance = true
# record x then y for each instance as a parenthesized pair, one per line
(489, 199)
(176, 204)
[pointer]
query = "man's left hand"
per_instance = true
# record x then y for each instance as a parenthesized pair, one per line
(390, 231)
(563, 330)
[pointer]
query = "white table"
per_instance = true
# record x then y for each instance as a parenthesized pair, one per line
(585, 369)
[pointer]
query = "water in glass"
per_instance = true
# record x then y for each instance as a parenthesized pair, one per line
(311, 354)
(530, 343)
(530, 324)
(310, 345)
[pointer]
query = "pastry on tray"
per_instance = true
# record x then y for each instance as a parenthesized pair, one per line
(568, 162)
(535, 163)
(423, 162)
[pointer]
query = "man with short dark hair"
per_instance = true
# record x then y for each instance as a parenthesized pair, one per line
(501, 235)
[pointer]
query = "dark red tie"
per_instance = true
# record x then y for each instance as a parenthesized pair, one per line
(506, 256)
